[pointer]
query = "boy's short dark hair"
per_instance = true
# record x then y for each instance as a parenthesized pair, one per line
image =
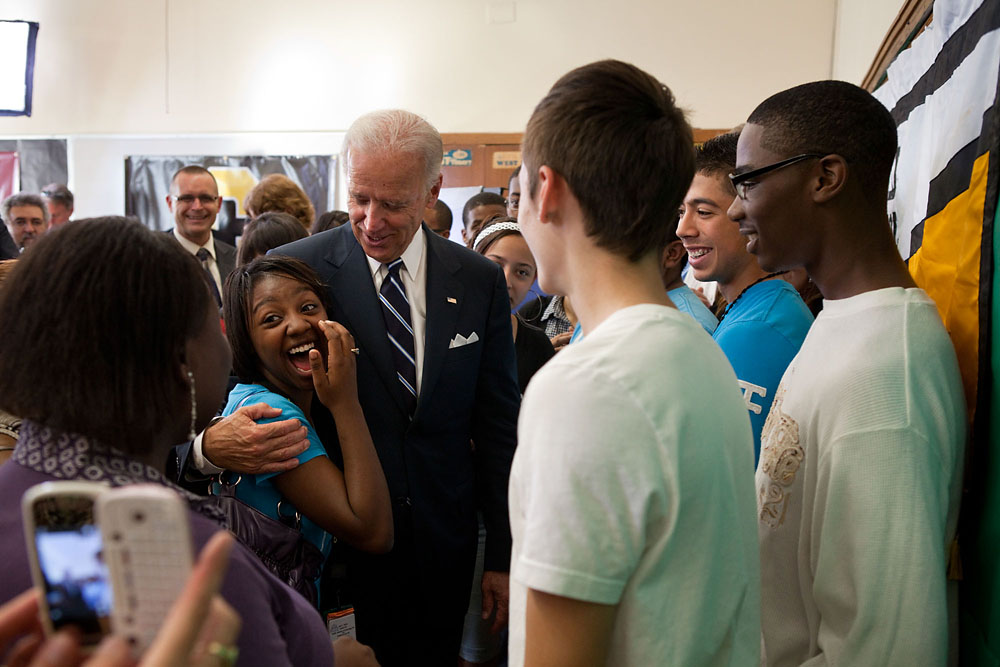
(837, 117)
(444, 214)
(481, 199)
(266, 231)
(717, 158)
(92, 346)
(237, 306)
(626, 151)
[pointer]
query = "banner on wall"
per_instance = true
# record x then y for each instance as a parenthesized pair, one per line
(9, 177)
(147, 183)
(942, 92)
(943, 203)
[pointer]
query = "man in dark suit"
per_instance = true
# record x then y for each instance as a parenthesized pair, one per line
(194, 200)
(437, 382)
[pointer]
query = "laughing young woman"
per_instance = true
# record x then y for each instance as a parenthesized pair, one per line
(275, 313)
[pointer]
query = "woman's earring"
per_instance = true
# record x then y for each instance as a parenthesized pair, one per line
(194, 407)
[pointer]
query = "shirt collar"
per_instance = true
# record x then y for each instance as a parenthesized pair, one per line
(555, 308)
(193, 248)
(72, 456)
(413, 256)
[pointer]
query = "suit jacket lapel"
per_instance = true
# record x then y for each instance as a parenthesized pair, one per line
(353, 291)
(442, 284)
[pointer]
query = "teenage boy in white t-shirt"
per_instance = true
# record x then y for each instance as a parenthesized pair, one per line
(861, 455)
(631, 502)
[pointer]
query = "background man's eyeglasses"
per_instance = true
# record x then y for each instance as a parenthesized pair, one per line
(205, 200)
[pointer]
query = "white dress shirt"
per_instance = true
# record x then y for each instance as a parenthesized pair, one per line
(193, 248)
(413, 273)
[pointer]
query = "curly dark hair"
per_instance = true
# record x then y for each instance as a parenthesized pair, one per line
(95, 319)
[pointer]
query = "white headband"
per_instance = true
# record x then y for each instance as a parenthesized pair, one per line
(495, 227)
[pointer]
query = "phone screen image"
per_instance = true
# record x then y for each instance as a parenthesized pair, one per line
(70, 557)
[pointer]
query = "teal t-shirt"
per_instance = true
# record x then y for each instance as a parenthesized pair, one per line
(688, 302)
(259, 491)
(760, 335)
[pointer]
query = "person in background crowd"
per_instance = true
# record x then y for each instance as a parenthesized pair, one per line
(513, 193)
(26, 217)
(765, 321)
(477, 209)
(267, 231)
(799, 279)
(438, 219)
(501, 242)
(8, 249)
(277, 192)
(630, 499)
(59, 199)
(194, 202)
(436, 370)
(673, 259)
(329, 220)
(860, 468)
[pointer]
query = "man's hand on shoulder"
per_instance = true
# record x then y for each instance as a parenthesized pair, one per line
(240, 444)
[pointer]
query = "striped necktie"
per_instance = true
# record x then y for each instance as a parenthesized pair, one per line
(203, 256)
(396, 311)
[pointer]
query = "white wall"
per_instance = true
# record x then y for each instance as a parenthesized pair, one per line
(860, 28)
(121, 66)
(125, 67)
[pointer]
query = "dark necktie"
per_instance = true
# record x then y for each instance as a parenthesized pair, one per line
(203, 256)
(396, 311)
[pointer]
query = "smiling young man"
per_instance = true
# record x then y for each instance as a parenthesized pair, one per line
(860, 468)
(766, 321)
(630, 498)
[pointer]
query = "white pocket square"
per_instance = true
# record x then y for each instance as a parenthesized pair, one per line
(459, 340)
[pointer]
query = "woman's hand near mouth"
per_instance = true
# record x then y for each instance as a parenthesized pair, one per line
(336, 382)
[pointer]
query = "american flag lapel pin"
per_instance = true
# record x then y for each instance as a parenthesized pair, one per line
(452, 299)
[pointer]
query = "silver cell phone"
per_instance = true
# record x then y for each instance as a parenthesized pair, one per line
(147, 548)
(66, 557)
(107, 559)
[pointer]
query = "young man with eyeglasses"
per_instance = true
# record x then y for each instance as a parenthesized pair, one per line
(861, 460)
(631, 501)
(765, 319)
(194, 200)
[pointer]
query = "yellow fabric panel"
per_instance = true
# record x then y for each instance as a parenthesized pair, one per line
(946, 266)
(235, 182)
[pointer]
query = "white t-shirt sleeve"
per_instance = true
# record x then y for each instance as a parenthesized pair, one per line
(878, 552)
(586, 493)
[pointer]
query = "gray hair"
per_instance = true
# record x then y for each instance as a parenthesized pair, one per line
(58, 193)
(396, 131)
(24, 199)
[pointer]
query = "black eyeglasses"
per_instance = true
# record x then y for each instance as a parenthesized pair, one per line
(205, 200)
(739, 180)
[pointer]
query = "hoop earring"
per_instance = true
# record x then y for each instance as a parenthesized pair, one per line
(194, 407)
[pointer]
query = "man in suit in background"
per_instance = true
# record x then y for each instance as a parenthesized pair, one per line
(437, 382)
(194, 200)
